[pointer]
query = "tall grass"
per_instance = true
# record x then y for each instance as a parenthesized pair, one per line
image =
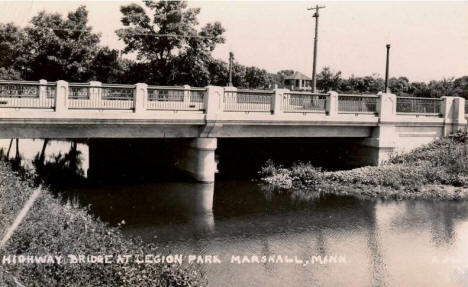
(56, 229)
(443, 162)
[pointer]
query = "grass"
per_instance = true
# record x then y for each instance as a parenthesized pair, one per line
(57, 229)
(436, 170)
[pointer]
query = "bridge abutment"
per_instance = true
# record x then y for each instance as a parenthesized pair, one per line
(377, 149)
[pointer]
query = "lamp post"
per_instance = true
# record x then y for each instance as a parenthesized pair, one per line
(387, 68)
(231, 58)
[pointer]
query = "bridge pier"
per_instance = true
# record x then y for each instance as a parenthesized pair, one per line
(197, 159)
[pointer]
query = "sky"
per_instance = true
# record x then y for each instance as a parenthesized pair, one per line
(429, 40)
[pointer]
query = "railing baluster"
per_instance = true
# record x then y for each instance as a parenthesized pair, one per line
(248, 101)
(304, 102)
(176, 98)
(101, 97)
(413, 105)
(23, 94)
(357, 103)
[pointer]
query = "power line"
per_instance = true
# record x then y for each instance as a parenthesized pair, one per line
(144, 34)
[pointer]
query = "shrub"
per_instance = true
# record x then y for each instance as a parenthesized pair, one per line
(444, 161)
(56, 229)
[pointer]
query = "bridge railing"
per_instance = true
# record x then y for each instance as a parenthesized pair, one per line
(62, 96)
(302, 102)
(248, 100)
(412, 105)
(357, 103)
(183, 98)
(25, 94)
(101, 96)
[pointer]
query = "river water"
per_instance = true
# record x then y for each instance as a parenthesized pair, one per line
(341, 241)
(347, 242)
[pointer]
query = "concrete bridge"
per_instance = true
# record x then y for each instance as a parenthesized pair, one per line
(380, 123)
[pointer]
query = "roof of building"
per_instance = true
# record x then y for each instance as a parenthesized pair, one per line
(297, 76)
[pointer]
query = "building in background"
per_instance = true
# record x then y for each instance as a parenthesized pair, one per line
(297, 81)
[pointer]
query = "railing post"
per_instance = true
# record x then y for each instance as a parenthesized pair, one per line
(42, 91)
(95, 92)
(332, 104)
(447, 112)
(277, 103)
(386, 107)
(447, 107)
(213, 101)
(186, 98)
(141, 90)
(453, 111)
(61, 98)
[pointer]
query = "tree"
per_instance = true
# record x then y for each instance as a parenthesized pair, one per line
(219, 73)
(461, 87)
(57, 48)
(328, 80)
(399, 86)
(256, 78)
(168, 42)
(12, 39)
(107, 67)
(9, 74)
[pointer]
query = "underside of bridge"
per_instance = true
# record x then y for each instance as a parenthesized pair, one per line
(200, 159)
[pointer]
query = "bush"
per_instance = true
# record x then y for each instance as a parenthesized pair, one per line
(56, 229)
(442, 162)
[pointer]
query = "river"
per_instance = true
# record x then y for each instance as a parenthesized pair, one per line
(341, 241)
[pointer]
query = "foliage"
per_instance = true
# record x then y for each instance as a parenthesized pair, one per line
(168, 42)
(171, 50)
(12, 39)
(425, 172)
(330, 80)
(54, 48)
(56, 229)
(60, 48)
(327, 80)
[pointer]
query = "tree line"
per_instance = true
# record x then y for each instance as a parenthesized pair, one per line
(168, 48)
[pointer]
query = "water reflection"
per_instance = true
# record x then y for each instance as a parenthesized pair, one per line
(186, 206)
(385, 243)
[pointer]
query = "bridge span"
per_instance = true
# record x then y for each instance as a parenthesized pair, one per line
(381, 123)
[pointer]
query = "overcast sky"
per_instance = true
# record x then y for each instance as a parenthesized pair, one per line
(429, 39)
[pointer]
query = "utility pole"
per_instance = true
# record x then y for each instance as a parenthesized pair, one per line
(387, 67)
(314, 69)
(231, 58)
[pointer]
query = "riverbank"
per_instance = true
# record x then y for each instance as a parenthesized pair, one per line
(56, 229)
(438, 170)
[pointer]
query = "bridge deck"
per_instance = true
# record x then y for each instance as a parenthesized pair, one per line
(61, 109)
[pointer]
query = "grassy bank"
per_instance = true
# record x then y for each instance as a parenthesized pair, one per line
(56, 229)
(436, 170)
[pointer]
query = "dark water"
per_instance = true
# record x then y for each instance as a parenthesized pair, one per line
(379, 243)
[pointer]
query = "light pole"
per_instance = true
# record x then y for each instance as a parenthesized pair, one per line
(314, 66)
(387, 67)
(231, 58)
